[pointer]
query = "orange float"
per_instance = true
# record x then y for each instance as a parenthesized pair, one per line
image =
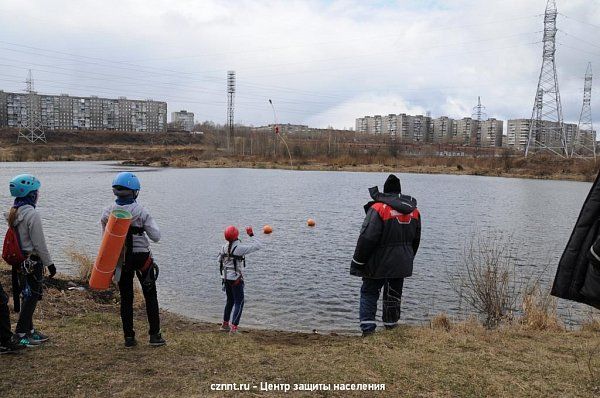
(110, 249)
(267, 229)
(310, 222)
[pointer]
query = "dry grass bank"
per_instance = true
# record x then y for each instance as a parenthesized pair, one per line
(85, 357)
(186, 150)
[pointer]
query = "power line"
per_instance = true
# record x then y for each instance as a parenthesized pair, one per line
(580, 21)
(578, 38)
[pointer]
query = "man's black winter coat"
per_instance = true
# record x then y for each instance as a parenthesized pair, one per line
(389, 237)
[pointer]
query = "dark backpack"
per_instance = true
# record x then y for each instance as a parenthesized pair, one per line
(11, 250)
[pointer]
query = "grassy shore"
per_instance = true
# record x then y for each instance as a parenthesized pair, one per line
(85, 357)
(544, 168)
(186, 151)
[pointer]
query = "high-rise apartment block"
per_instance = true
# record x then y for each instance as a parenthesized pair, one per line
(419, 128)
(3, 114)
(64, 112)
(491, 132)
(184, 119)
(444, 129)
(402, 127)
(518, 134)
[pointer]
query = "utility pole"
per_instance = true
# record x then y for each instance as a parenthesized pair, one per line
(546, 128)
(230, 110)
(584, 142)
(478, 114)
(32, 130)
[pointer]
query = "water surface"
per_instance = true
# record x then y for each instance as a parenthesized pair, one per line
(300, 281)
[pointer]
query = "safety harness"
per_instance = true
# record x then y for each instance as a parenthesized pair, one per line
(149, 271)
(235, 259)
(129, 239)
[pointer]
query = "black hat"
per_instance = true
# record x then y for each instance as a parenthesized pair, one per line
(392, 185)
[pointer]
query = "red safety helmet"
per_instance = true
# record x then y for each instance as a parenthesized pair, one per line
(231, 233)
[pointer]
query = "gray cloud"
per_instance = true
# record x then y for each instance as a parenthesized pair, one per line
(322, 62)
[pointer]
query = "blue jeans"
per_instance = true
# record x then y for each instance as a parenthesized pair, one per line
(392, 299)
(235, 301)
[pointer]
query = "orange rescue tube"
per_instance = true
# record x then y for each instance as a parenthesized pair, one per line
(267, 229)
(110, 249)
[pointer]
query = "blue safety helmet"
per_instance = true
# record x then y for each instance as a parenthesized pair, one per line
(23, 184)
(128, 180)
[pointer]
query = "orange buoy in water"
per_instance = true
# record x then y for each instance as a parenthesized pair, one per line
(110, 249)
(310, 222)
(267, 229)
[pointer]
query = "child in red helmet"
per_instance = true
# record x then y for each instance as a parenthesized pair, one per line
(232, 260)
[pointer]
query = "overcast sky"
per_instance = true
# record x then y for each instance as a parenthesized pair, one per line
(321, 62)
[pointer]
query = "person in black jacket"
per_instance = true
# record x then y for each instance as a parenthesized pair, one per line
(388, 241)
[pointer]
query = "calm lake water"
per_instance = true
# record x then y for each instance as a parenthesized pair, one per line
(300, 281)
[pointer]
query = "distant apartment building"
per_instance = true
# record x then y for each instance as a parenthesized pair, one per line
(184, 119)
(466, 132)
(285, 128)
(361, 125)
(444, 129)
(405, 128)
(587, 138)
(64, 112)
(3, 114)
(420, 128)
(390, 124)
(491, 133)
(518, 134)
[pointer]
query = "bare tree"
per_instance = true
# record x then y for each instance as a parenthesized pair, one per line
(487, 279)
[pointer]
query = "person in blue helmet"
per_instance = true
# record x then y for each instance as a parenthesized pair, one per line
(137, 258)
(27, 223)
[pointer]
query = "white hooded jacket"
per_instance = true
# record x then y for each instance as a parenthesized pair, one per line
(140, 218)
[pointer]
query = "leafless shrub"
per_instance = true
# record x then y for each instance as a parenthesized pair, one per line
(488, 280)
(539, 310)
(84, 262)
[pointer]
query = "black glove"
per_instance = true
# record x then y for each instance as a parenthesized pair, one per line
(52, 270)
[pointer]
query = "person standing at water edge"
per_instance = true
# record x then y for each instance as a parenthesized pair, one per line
(384, 254)
(28, 225)
(137, 259)
(231, 260)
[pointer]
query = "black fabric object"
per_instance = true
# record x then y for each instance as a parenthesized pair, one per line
(577, 278)
(5, 332)
(133, 263)
(16, 289)
(392, 185)
(386, 247)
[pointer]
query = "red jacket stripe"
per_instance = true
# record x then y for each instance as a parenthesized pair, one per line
(387, 213)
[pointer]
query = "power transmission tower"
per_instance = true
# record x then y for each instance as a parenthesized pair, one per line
(546, 128)
(230, 110)
(32, 130)
(478, 114)
(584, 142)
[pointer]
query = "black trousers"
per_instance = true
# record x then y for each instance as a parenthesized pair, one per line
(392, 300)
(31, 289)
(135, 262)
(5, 331)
